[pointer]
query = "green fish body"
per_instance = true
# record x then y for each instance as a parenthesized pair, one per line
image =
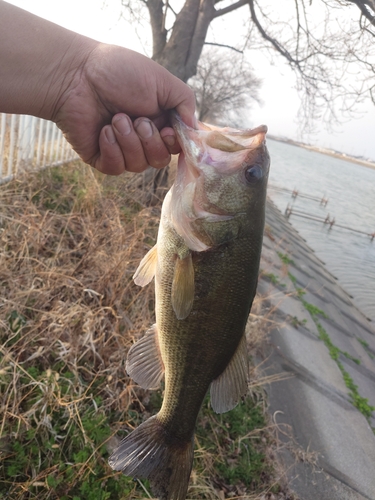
(205, 264)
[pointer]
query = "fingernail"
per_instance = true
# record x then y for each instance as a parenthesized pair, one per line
(144, 129)
(122, 125)
(169, 140)
(110, 135)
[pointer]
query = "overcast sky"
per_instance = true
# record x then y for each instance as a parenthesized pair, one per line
(99, 19)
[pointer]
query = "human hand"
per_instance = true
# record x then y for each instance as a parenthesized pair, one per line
(115, 113)
(90, 90)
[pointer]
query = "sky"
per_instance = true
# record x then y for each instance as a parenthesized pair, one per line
(100, 19)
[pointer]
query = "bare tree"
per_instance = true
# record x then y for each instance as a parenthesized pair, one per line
(333, 59)
(321, 55)
(223, 85)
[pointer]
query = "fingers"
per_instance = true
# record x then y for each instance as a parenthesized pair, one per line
(132, 147)
(110, 160)
(170, 140)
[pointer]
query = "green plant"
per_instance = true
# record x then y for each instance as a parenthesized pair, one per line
(275, 280)
(285, 258)
(366, 347)
(358, 401)
(233, 443)
(314, 310)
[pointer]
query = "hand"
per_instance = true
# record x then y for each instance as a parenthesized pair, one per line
(115, 111)
(111, 103)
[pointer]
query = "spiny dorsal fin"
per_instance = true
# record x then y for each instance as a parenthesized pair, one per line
(228, 389)
(183, 287)
(147, 267)
(144, 364)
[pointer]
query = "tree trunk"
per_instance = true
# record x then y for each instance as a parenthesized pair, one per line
(181, 53)
(159, 33)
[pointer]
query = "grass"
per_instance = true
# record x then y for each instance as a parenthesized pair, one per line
(366, 347)
(70, 243)
(285, 258)
(273, 278)
(361, 403)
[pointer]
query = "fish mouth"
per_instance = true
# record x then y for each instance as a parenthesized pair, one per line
(225, 150)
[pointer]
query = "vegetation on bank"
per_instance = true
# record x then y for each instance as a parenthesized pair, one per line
(70, 242)
(360, 402)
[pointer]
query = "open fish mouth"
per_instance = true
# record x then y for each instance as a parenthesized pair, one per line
(206, 150)
(211, 145)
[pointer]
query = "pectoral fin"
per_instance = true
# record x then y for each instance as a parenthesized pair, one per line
(183, 287)
(144, 363)
(147, 267)
(228, 389)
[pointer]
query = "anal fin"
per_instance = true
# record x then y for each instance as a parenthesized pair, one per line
(147, 267)
(228, 389)
(183, 286)
(144, 363)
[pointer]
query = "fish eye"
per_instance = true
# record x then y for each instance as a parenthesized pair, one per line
(253, 174)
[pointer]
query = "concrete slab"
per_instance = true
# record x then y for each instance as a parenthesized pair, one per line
(349, 344)
(297, 345)
(363, 378)
(311, 482)
(313, 406)
(325, 423)
(285, 306)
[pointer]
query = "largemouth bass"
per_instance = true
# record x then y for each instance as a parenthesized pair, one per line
(205, 264)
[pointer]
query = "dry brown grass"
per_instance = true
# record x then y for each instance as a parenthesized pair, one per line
(70, 242)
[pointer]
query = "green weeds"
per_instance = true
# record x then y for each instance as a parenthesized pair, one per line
(358, 401)
(231, 444)
(285, 258)
(275, 280)
(366, 347)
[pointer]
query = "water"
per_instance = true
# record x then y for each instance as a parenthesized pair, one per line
(350, 189)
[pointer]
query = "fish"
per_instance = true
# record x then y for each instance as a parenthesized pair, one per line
(205, 264)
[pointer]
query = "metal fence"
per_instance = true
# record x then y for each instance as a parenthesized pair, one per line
(28, 143)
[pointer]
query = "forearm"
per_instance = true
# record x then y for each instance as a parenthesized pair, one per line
(38, 62)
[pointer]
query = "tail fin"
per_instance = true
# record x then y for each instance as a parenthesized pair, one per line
(149, 453)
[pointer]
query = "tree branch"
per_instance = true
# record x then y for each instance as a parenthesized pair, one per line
(223, 45)
(365, 6)
(267, 37)
(230, 8)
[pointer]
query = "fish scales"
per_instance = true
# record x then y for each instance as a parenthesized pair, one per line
(205, 263)
(224, 289)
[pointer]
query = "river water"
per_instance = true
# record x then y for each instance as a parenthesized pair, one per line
(350, 189)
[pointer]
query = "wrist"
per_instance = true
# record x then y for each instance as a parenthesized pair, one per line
(39, 61)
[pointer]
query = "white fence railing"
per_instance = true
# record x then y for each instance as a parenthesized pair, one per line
(29, 143)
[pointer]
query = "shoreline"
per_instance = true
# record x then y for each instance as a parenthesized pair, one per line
(323, 151)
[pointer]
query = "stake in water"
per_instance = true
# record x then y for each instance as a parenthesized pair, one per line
(350, 189)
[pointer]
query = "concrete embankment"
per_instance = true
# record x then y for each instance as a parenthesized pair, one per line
(324, 347)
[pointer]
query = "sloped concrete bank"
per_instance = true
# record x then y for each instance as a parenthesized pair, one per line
(325, 349)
